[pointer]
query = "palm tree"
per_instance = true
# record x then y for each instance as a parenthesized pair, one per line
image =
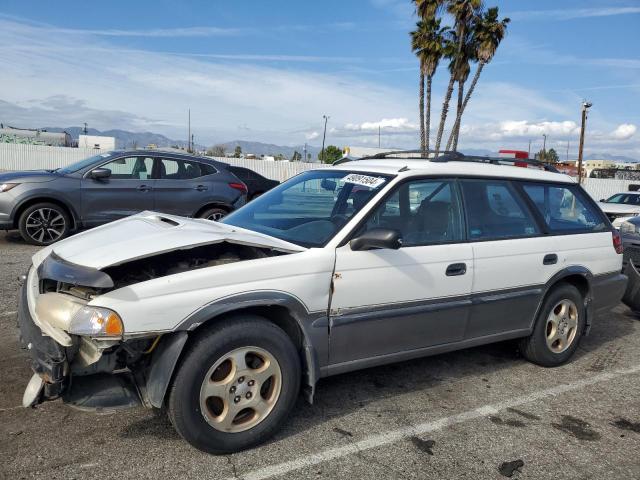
(428, 9)
(488, 32)
(463, 12)
(460, 68)
(427, 41)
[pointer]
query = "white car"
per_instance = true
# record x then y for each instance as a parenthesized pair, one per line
(621, 207)
(223, 324)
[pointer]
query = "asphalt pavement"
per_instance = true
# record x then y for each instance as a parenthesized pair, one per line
(478, 413)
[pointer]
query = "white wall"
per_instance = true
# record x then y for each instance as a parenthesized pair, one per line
(90, 141)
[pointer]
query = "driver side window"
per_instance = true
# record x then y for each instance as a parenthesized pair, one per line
(130, 168)
(425, 212)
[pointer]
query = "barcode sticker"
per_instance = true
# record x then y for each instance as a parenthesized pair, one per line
(364, 180)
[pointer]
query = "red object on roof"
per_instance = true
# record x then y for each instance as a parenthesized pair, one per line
(513, 154)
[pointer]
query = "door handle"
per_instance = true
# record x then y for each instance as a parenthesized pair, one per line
(456, 269)
(550, 259)
(144, 188)
(201, 188)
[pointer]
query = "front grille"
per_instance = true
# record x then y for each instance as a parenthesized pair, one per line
(632, 252)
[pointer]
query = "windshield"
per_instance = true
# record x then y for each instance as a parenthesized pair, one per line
(74, 167)
(624, 198)
(310, 208)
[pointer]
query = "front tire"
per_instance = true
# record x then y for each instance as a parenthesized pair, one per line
(236, 385)
(214, 214)
(559, 326)
(43, 224)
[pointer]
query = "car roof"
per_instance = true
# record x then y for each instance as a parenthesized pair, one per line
(410, 167)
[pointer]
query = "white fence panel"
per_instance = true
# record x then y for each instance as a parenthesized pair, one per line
(38, 157)
(600, 188)
(274, 170)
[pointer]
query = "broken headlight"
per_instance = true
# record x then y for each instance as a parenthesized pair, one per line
(96, 322)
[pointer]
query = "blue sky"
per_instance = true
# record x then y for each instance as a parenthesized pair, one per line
(268, 71)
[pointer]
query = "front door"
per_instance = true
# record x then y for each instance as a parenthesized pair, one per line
(127, 191)
(390, 301)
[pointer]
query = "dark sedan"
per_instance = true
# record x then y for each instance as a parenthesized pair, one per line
(45, 205)
(256, 183)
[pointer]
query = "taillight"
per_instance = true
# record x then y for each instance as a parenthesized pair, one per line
(617, 242)
(239, 186)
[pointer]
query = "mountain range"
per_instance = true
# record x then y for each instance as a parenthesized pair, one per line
(127, 139)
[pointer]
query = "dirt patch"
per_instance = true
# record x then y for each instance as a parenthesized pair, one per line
(507, 469)
(508, 422)
(624, 424)
(425, 446)
(577, 428)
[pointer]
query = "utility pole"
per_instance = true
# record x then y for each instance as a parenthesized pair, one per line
(567, 150)
(85, 130)
(324, 136)
(192, 143)
(529, 156)
(189, 134)
(378, 136)
(544, 148)
(304, 159)
(585, 106)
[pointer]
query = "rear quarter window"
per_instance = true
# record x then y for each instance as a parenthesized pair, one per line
(564, 208)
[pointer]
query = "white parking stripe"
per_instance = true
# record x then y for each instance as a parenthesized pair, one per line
(401, 433)
(7, 314)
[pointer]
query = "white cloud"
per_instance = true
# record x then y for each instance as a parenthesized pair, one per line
(523, 128)
(311, 135)
(624, 131)
(388, 124)
(571, 14)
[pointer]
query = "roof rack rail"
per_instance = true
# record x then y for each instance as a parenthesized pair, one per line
(449, 156)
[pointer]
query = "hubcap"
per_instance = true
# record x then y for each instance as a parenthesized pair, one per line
(216, 216)
(562, 325)
(45, 225)
(240, 389)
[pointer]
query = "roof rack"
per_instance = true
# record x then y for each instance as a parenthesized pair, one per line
(449, 156)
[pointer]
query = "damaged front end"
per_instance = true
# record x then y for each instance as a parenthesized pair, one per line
(80, 350)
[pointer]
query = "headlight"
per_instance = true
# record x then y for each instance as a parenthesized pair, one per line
(96, 322)
(628, 227)
(5, 187)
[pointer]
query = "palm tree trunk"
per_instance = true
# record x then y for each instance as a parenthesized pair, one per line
(452, 135)
(443, 115)
(422, 136)
(456, 127)
(427, 128)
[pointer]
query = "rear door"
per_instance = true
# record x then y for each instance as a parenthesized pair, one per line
(183, 186)
(393, 301)
(129, 190)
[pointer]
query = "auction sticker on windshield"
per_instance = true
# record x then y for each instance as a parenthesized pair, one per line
(364, 180)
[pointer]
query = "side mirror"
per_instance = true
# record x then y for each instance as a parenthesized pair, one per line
(327, 184)
(377, 238)
(100, 173)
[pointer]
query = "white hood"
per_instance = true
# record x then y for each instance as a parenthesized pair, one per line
(620, 208)
(150, 233)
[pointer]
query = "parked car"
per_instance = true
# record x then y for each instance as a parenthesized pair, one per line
(621, 207)
(45, 205)
(256, 183)
(224, 323)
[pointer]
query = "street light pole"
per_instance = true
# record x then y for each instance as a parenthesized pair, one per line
(529, 155)
(544, 147)
(324, 136)
(585, 106)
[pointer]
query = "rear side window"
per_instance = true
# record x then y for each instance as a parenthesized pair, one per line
(564, 209)
(183, 169)
(495, 211)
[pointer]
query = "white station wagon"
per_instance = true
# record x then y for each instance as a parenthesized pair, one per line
(360, 264)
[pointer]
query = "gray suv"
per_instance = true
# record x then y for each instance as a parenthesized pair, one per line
(45, 205)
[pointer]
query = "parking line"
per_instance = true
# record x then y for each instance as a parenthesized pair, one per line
(393, 436)
(7, 314)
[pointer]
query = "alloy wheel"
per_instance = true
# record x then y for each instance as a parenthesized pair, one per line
(562, 326)
(241, 389)
(215, 216)
(45, 225)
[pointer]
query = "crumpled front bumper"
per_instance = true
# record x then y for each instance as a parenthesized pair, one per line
(48, 358)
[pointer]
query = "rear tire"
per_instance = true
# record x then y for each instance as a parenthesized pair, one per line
(558, 328)
(213, 214)
(236, 386)
(44, 223)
